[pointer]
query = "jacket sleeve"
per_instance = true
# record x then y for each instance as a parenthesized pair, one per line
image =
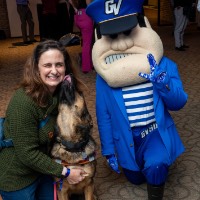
(30, 144)
(171, 90)
(104, 118)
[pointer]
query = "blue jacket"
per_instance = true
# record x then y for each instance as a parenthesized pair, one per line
(115, 132)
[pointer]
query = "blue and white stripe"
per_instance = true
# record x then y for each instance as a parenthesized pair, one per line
(139, 104)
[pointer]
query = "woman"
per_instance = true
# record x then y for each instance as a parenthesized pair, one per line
(27, 170)
(181, 12)
(85, 24)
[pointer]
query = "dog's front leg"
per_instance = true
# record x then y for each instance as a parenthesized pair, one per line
(89, 192)
(63, 194)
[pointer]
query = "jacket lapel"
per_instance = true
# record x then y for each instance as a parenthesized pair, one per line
(120, 101)
(155, 98)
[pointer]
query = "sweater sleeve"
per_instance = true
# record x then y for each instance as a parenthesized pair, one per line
(28, 141)
(104, 119)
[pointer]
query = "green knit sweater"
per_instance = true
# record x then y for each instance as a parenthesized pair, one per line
(22, 164)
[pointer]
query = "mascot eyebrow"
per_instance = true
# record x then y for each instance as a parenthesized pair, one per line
(141, 23)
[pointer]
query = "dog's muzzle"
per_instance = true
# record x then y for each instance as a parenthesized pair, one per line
(75, 147)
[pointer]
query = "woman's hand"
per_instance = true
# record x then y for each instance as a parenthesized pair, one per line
(76, 175)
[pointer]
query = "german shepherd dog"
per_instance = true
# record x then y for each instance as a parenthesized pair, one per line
(74, 145)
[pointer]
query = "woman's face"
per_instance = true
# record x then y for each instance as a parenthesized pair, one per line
(52, 68)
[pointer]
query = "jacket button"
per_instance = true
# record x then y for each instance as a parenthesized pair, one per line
(131, 145)
(50, 134)
(167, 86)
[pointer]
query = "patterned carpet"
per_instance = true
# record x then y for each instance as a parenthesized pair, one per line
(184, 177)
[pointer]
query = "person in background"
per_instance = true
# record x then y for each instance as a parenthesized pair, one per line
(198, 14)
(85, 24)
(71, 13)
(27, 169)
(49, 16)
(26, 17)
(181, 12)
(198, 5)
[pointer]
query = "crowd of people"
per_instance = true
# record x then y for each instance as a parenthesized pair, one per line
(50, 28)
(56, 19)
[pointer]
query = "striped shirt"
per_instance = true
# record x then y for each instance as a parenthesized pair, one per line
(139, 104)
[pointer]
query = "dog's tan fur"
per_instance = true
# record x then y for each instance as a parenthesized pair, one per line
(69, 121)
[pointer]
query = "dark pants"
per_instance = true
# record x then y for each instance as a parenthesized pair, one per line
(50, 26)
(151, 157)
(26, 17)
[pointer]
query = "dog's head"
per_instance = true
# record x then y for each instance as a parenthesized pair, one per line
(68, 90)
(74, 121)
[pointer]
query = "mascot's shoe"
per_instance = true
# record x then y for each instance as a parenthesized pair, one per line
(155, 192)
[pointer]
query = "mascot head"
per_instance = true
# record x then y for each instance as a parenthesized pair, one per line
(124, 37)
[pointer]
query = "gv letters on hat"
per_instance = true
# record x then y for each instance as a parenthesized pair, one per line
(114, 16)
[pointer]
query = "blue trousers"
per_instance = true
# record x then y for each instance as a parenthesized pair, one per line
(151, 157)
(41, 189)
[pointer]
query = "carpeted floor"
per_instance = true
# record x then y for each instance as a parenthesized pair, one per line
(184, 177)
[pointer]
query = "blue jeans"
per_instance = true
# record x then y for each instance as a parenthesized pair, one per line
(41, 189)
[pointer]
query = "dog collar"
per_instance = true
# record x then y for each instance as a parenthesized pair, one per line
(84, 161)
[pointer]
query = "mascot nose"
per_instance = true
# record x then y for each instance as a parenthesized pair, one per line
(121, 42)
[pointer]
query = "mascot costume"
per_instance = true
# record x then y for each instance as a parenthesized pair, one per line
(135, 87)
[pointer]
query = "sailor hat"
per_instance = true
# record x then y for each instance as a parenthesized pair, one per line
(114, 16)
